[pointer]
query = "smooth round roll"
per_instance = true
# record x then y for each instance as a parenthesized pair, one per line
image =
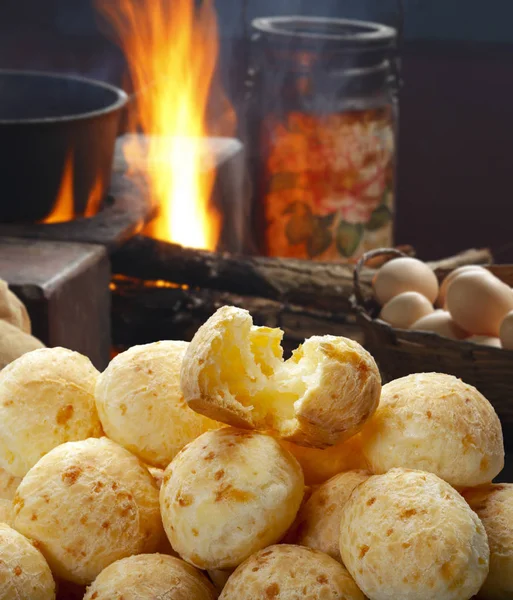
(24, 573)
(494, 506)
(12, 309)
(319, 465)
(287, 572)
(227, 495)
(150, 577)
(8, 484)
(323, 394)
(87, 504)
(46, 399)
(409, 534)
(141, 406)
(318, 522)
(436, 423)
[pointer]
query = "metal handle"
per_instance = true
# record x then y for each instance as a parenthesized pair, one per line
(360, 299)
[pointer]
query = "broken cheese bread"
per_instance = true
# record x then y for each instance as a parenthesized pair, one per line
(234, 372)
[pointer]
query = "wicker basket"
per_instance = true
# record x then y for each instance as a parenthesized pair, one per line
(400, 352)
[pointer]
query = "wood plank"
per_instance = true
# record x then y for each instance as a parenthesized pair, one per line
(65, 287)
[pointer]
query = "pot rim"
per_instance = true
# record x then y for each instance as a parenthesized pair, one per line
(120, 101)
(364, 32)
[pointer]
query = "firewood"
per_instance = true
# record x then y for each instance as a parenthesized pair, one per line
(326, 286)
(142, 312)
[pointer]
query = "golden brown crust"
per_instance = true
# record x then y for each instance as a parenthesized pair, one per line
(319, 465)
(234, 372)
(318, 522)
(141, 406)
(409, 534)
(87, 504)
(150, 577)
(24, 572)
(288, 572)
(46, 399)
(435, 422)
(494, 506)
(228, 494)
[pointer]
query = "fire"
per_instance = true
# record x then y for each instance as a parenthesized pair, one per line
(95, 198)
(172, 49)
(64, 209)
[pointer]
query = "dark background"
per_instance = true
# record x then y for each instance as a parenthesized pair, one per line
(456, 125)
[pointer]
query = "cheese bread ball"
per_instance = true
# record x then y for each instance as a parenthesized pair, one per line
(46, 399)
(141, 406)
(87, 504)
(227, 495)
(409, 534)
(5, 511)
(494, 506)
(320, 465)
(24, 573)
(318, 521)
(12, 309)
(15, 343)
(150, 577)
(8, 484)
(234, 372)
(436, 423)
(287, 572)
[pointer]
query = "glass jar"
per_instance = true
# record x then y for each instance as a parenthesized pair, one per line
(323, 113)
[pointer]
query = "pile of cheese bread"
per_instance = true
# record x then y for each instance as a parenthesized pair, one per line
(217, 469)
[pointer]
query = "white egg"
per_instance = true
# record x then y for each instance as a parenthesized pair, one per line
(485, 340)
(405, 309)
(405, 275)
(506, 331)
(478, 302)
(440, 322)
(440, 302)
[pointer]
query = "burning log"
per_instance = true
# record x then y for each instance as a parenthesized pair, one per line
(142, 313)
(325, 286)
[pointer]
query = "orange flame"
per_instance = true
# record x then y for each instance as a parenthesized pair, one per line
(64, 208)
(172, 49)
(95, 198)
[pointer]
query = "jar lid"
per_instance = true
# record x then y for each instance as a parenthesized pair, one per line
(345, 33)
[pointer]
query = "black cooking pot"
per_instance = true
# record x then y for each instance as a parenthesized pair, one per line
(44, 117)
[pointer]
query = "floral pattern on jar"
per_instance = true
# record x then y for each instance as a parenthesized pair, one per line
(330, 185)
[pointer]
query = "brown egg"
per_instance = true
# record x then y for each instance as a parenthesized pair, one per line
(405, 275)
(506, 331)
(404, 310)
(478, 302)
(440, 302)
(440, 322)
